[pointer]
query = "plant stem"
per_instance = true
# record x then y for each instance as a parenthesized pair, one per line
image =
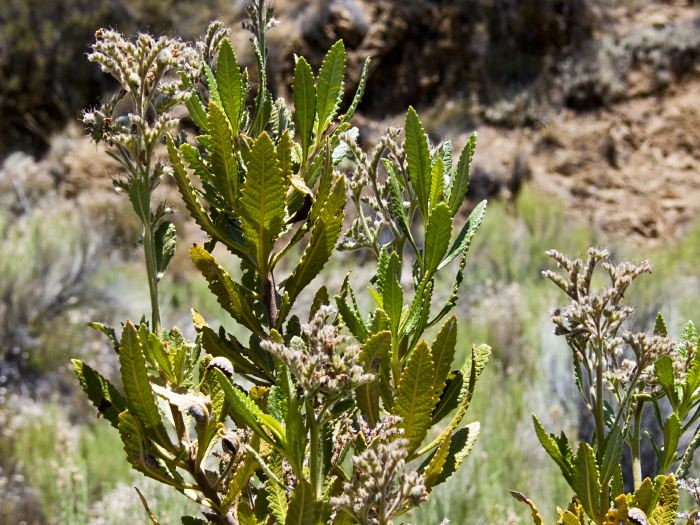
(150, 255)
(635, 446)
(314, 464)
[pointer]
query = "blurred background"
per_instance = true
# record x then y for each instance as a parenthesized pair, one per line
(588, 113)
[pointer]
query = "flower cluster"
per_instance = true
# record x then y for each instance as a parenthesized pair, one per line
(592, 321)
(145, 69)
(324, 361)
(381, 489)
(373, 208)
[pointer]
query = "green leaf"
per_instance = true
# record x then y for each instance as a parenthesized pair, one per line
(374, 350)
(418, 155)
(437, 183)
(437, 238)
(460, 182)
(414, 403)
(329, 90)
(229, 294)
(324, 235)
(101, 393)
(223, 163)
(359, 93)
(663, 369)
(262, 206)
(212, 84)
(449, 396)
(459, 446)
(421, 302)
(466, 234)
(229, 78)
(276, 495)
(136, 448)
(165, 239)
(137, 386)
(391, 292)
(672, 435)
(614, 444)
(666, 507)
(396, 201)
(304, 103)
(660, 326)
(558, 450)
(247, 412)
(586, 482)
(443, 352)
(301, 507)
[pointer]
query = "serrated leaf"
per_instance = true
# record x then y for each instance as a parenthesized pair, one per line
(437, 238)
(229, 78)
(276, 495)
(450, 455)
(212, 84)
(421, 302)
(672, 435)
(466, 234)
(228, 293)
(101, 393)
(250, 414)
(301, 506)
(391, 291)
(460, 181)
(165, 240)
(449, 396)
(373, 352)
(396, 202)
(414, 403)
(137, 386)
(136, 448)
(262, 206)
(664, 512)
(437, 183)
(443, 352)
(324, 235)
(558, 450)
(660, 327)
(329, 89)
(359, 93)
(614, 443)
(663, 370)
(418, 156)
(586, 481)
(304, 104)
(223, 162)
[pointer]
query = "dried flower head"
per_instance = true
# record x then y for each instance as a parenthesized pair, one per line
(381, 489)
(324, 361)
(592, 321)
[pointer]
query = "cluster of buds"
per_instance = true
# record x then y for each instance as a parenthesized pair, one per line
(374, 209)
(592, 321)
(692, 487)
(324, 361)
(381, 488)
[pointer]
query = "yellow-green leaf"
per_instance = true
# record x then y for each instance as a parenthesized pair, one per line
(228, 78)
(262, 208)
(460, 182)
(229, 294)
(304, 103)
(103, 394)
(137, 387)
(414, 402)
(418, 156)
(374, 350)
(329, 90)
